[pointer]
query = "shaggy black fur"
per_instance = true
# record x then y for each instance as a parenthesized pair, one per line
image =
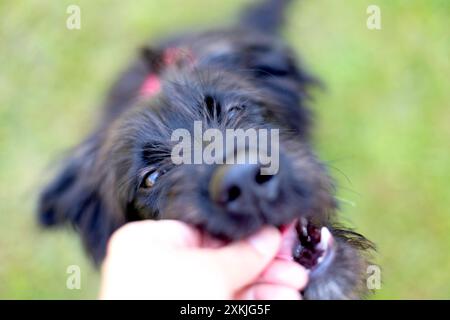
(241, 77)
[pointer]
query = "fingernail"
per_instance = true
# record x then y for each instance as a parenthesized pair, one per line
(266, 242)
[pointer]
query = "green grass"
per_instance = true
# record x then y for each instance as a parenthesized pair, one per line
(383, 123)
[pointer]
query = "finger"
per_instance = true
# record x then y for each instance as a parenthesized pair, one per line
(243, 261)
(268, 292)
(286, 273)
(177, 233)
(168, 232)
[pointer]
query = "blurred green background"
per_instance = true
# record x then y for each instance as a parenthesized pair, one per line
(383, 123)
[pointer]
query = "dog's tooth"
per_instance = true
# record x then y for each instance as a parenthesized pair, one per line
(304, 224)
(303, 221)
(326, 239)
(319, 260)
(304, 231)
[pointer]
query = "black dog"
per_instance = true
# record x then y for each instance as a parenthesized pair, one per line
(243, 77)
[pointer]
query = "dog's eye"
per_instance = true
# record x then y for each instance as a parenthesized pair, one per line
(233, 111)
(150, 178)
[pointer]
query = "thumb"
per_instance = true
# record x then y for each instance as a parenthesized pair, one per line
(244, 260)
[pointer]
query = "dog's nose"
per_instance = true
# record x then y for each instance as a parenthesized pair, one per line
(242, 188)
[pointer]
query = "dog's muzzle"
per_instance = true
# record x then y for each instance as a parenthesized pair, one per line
(242, 190)
(245, 194)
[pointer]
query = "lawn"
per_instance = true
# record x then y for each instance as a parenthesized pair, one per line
(383, 123)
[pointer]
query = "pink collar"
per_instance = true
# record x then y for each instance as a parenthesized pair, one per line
(171, 56)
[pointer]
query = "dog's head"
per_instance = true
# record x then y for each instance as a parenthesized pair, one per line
(126, 170)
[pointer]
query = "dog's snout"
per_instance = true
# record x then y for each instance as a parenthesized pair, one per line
(243, 188)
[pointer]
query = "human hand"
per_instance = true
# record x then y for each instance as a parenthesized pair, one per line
(168, 259)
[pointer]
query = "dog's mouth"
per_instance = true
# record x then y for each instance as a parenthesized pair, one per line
(310, 246)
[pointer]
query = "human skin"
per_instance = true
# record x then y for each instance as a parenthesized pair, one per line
(171, 260)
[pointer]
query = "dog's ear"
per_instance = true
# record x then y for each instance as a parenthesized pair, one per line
(157, 60)
(75, 197)
(153, 58)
